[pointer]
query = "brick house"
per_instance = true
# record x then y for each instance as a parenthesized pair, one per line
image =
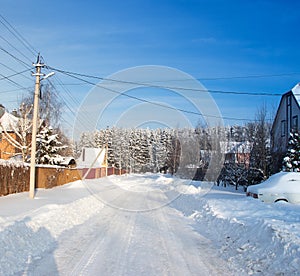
(8, 127)
(286, 120)
(237, 152)
(7, 122)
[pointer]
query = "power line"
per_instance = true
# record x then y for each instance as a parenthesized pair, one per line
(252, 76)
(165, 87)
(67, 91)
(150, 102)
(13, 82)
(27, 45)
(72, 84)
(14, 90)
(8, 78)
(66, 102)
(11, 45)
(17, 59)
(238, 77)
(67, 122)
(17, 35)
(17, 73)
(12, 54)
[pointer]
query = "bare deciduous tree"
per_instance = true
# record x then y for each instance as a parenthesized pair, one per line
(260, 154)
(50, 107)
(22, 129)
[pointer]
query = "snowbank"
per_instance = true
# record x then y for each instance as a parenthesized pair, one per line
(255, 238)
(34, 227)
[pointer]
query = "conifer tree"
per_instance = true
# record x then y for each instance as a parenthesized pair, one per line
(48, 147)
(291, 162)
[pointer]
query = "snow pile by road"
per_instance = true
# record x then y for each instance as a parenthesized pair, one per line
(35, 225)
(253, 237)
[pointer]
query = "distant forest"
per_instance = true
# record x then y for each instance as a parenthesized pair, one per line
(150, 150)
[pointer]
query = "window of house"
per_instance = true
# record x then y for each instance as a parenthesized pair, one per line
(295, 123)
(289, 100)
(83, 154)
(282, 128)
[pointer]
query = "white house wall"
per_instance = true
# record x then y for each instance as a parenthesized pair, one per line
(92, 157)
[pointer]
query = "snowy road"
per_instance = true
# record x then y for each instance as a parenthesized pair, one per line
(152, 241)
(146, 225)
(155, 243)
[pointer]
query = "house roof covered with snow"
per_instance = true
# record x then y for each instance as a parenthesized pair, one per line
(8, 122)
(235, 147)
(68, 161)
(296, 88)
(296, 92)
(92, 158)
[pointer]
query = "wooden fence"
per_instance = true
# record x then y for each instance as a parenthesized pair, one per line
(49, 177)
(15, 178)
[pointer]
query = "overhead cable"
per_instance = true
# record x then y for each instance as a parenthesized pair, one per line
(166, 87)
(17, 35)
(147, 101)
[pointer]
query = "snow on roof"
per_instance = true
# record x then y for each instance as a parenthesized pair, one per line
(8, 122)
(296, 91)
(68, 160)
(296, 88)
(92, 157)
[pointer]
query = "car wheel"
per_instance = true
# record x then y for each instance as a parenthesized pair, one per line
(281, 199)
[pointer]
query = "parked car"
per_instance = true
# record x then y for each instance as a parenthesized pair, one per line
(283, 186)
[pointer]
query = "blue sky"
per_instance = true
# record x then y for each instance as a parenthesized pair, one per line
(209, 40)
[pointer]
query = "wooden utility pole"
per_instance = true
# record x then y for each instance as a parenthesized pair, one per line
(37, 75)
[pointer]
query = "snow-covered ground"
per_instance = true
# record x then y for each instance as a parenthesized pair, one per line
(146, 225)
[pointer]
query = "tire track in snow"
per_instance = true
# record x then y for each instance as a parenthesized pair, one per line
(126, 242)
(108, 253)
(185, 251)
(170, 253)
(164, 253)
(81, 244)
(157, 242)
(82, 266)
